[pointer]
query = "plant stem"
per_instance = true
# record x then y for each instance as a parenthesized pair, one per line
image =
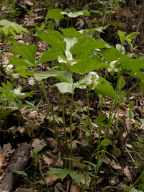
(71, 129)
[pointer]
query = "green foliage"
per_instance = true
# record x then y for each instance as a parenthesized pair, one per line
(76, 14)
(55, 40)
(80, 53)
(62, 173)
(26, 52)
(24, 58)
(8, 28)
(60, 75)
(65, 87)
(127, 38)
(10, 96)
(55, 14)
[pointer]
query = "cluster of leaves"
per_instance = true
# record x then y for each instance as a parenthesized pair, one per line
(8, 28)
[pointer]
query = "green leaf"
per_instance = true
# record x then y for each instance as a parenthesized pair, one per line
(55, 14)
(65, 87)
(85, 54)
(132, 64)
(27, 52)
(11, 28)
(62, 173)
(129, 38)
(111, 54)
(53, 38)
(20, 173)
(86, 46)
(105, 143)
(70, 32)
(60, 75)
(76, 14)
(135, 190)
(122, 36)
(132, 36)
(51, 54)
(120, 83)
(6, 91)
(105, 88)
(21, 66)
(85, 65)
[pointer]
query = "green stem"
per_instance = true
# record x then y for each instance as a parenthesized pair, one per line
(71, 129)
(63, 117)
(88, 112)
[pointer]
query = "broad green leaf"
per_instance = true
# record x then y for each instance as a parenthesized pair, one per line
(20, 62)
(76, 14)
(70, 32)
(65, 87)
(111, 54)
(105, 88)
(122, 36)
(105, 143)
(27, 52)
(6, 91)
(55, 14)
(60, 75)
(85, 54)
(87, 64)
(53, 38)
(131, 64)
(132, 36)
(62, 173)
(86, 46)
(51, 54)
(129, 38)
(95, 82)
(21, 66)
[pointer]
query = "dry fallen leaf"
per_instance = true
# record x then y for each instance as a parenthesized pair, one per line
(51, 179)
(38, 144)
(2, 161)
(127, 173)
(74, 188)
(48, 160)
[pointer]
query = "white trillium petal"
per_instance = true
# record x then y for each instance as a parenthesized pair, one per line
(70, 42)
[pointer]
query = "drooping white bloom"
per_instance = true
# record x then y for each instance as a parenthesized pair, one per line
(9, 68)
(31, 81)
(70, 42)
(17, 91)
(90, 80)
(113, 66)
(120, 48)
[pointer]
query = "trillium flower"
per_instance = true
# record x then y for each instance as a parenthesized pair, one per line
(91, 80)
(113, 66)
(17, 91)
(70, 42)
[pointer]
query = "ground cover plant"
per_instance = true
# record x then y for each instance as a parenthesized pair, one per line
(71, 98)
